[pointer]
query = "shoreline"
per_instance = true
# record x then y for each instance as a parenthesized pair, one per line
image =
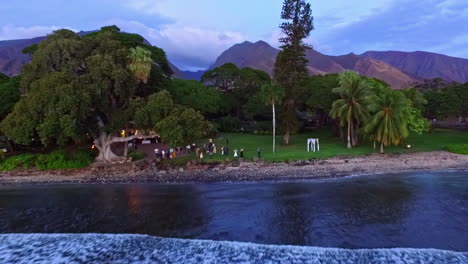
(245, 171)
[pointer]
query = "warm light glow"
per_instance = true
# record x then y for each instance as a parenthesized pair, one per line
(408, 146)
(123, 133)
(93, 146)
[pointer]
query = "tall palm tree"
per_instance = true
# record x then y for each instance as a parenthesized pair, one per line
(389, 122)
(351, 108)
(273, 94)
(140, 63)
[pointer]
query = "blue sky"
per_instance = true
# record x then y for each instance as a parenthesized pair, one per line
(195, 32)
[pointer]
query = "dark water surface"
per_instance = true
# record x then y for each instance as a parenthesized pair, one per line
(415, 210)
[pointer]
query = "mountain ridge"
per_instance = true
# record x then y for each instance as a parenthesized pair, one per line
(398, 68)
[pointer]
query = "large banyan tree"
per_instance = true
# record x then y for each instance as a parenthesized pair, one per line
(84, 85)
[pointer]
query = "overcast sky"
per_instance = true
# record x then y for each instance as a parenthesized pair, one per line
(194, 32)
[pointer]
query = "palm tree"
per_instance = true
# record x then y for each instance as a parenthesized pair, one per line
(272, 94)
(351, 108)
(140, 63)
(389, 122)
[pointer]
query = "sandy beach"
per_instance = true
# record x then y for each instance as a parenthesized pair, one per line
(145, 172)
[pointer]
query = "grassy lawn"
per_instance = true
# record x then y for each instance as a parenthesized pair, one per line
(329, 146)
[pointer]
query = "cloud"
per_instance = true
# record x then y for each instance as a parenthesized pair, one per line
(18, 32)
(147, 6)
(187, 47)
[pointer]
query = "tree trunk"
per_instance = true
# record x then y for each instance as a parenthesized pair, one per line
(355, 134)
(103, 144)
(274, 128)
(286, 137)
(126, 149)
(374, 144)
(382, 147)
(340, 128)
(349, 135)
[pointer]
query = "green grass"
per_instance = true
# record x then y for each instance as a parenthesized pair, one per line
(52, 161)
(459, 149)
(329, 146)
(24, 161)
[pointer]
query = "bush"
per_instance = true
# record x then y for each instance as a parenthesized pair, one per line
(135, 155)
(61, 160)
(459, 149)
(229, 124)
(24, 161)
(52, 161)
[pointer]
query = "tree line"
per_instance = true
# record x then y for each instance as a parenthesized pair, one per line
(91, 87)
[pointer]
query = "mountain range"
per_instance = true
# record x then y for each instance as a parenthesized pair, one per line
(399, 69)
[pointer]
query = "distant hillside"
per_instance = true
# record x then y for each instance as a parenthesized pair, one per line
(425, 64)
(261, 55)
(186, 75)
(11, 56)
(399, 69)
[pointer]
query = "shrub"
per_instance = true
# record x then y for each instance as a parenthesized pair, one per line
(136, 155)
(61, 160)
(229, 124)
(459, 149)
(52, 161)
(24, 161)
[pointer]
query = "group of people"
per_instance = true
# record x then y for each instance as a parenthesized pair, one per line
(170, 153)
(210, 149)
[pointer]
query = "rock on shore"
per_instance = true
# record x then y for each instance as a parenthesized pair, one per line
(246, 171)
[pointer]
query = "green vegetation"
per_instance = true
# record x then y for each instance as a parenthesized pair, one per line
(76, 88)
(450, 101)
(52, 161)
(272, 94)
(459, 149)
(89, 88)
(291, 63)
(24, 161)
(9, 94)
(193, 94)
(351, 110)
(330, 146)
(136, 155)
(177, 124)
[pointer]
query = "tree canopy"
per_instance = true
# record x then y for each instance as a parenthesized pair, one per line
(9, 94)
(76, 86)
(196, 95)
(177, 125)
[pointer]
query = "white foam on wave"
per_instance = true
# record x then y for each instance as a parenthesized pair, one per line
(112, 248)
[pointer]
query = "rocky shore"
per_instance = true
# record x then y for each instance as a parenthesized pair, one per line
(146, 172)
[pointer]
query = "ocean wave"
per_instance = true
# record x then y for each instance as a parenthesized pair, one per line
(116, 248)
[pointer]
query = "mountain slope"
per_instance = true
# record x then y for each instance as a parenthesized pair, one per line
(425, 64)
(11, 56)
(399, 69)
(185, 75)
(262, 56)
(259, 55)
